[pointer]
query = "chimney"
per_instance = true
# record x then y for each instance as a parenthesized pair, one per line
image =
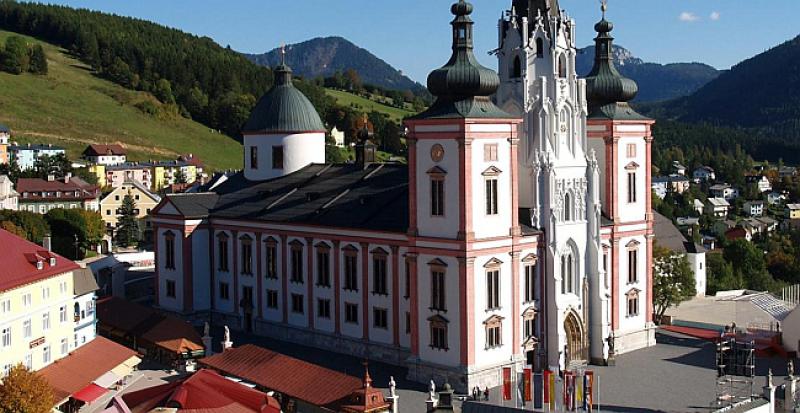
(365, 149)
(51, 178)
(47, 242)
(67, 177)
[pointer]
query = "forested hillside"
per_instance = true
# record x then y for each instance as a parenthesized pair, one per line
(190, 75)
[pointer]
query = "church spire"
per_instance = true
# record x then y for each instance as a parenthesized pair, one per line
(463, 86)
(607, 91)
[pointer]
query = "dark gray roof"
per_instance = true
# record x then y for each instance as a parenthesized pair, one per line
(668, 236)
(4, 128)
(284, 108)
(336, 196)
(83, 282)
(193, 205)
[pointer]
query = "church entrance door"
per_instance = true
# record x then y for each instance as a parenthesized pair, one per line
(575, 347)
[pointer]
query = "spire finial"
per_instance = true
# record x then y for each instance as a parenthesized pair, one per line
(604, 7)
(367, 378)
(283, 53)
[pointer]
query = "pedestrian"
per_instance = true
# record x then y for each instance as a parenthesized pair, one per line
(474, 393)
(486, 394)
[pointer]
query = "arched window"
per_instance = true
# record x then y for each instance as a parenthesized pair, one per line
(567, 207)
(516, 70)
(539, 48)
(562, 65)
(569, 270)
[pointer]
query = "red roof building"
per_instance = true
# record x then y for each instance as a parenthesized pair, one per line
(69, 188)
(203, 392)
(298, 381)
(74, 376)
(105, 150)
(24, 262)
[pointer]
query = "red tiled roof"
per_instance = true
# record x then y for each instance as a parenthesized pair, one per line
(295, 378)
(102, 150)
(19, 259)
(34, 187)
(204, 391)
(85, 365)
(167, 332)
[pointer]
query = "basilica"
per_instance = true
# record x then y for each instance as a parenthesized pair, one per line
(519, 233)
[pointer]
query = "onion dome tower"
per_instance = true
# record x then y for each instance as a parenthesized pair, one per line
(607, 91)
(284, 132)
(463, 86)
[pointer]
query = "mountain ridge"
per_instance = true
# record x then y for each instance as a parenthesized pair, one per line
(324, 56)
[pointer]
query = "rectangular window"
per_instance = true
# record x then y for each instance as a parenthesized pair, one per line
(323, 268)
(633, 266)
(45, 321)
(351, 313)
(46, 355)
(490, 152)
(379, 318)
(247, 257)
(491, 196)
(437, 291)
(350, 273)
(633, 306)
(62, 314)
(530, 283)
(222, 249)
(493, 336)
(29, 362)
(62, 287)
(5, 306)
(5, 337)
(170, 288)
(437, 196)
(64, 346)
(26, 329)
(272, 299)
(631, 187)
(277, 157)
(45, 293)
(224, 291)
(407, 282)
(297, 304)
(297, 265)
(408, 322)
(247, 297)
(26, 300)
(438, 336)
(493, 290)
(254, 157)
(379, 276)
(529, 327)
(631, 150)
(324, 308)
(272, 261)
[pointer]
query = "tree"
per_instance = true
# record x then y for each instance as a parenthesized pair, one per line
(34, 225)
(673, 280)
(128, 223)
(749, 265)
(24, 391)
(38, 59)
(15, 58)
(180, 176)
(56, 165)
(720, 275)
(12, 228)
(163, 91)
(75, 225)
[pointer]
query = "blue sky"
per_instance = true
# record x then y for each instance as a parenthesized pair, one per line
(413, 35)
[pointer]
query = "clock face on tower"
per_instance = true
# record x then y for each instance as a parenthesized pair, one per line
(437, 153)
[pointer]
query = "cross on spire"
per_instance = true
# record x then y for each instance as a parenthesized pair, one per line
(604, 7)
(283, 53)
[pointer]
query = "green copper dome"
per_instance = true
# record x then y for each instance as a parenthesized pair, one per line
(462, 86)
(607, 91)
(283, 109)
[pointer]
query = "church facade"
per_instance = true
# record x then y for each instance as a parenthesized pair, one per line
(518, 233)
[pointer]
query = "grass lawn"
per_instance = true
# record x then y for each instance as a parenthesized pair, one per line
(71, 107)
(349, 99)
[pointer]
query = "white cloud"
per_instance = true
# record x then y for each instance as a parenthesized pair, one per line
(688, 17)
(714, 15)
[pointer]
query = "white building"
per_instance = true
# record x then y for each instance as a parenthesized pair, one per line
(717, 207)
(678, 168)
(668, 236)
(774, 198)
(107, 155)
(725, 191)
(495, 246)
(753, 208)
(704, 174)
(761, 182)
(698, 206)
(84, 309)
(26, 155)
(9, 198)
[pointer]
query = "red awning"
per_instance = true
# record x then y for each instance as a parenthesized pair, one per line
(89, 393)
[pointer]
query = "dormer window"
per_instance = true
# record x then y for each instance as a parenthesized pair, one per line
(39, 264)
(52, 261)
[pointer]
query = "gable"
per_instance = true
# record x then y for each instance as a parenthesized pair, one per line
(165, 208)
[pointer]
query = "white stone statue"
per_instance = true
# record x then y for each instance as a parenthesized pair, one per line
(227, 335)
(392, 387)
(433, 389)
(790, 369)
(206, 329)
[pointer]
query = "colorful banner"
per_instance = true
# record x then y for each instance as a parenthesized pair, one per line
(579, 390)
(588, 381)
(546, 386)
(506, 383)
(527, 381)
